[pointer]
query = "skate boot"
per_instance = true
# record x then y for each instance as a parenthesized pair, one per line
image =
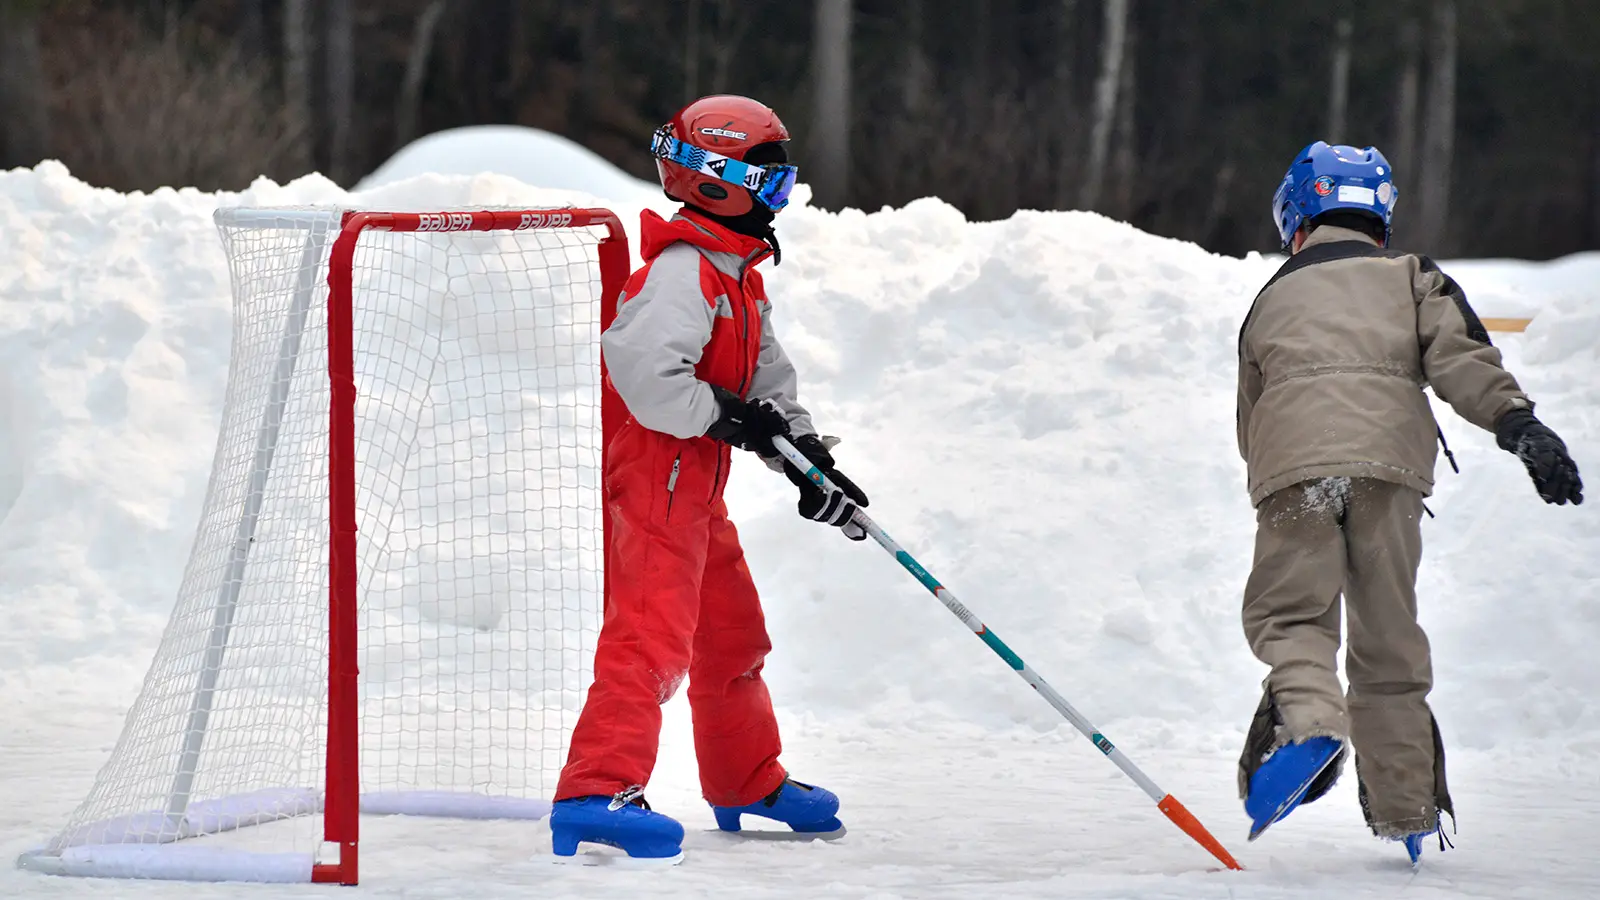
(1284, 777)
(805, 808)
(624, 821)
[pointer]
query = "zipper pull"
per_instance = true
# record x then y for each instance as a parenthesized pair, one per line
(672, 480)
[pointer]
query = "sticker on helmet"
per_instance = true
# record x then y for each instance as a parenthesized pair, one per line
(1385, 193)
(1323, 185)
(1349, 193)
(724, 132)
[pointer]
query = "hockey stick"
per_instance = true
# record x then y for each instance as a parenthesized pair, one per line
(1167, 803)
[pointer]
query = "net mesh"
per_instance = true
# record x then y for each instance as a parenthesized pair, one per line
(478, 444)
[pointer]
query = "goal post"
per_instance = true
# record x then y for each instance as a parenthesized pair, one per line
(399, 573)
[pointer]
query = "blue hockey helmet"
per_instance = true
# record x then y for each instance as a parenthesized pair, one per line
(1325, 177)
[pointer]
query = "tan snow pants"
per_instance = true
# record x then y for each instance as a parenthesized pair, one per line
(1361, 538)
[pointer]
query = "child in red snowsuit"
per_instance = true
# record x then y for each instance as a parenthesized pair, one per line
(693, 357)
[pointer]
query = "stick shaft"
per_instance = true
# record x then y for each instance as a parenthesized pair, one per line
(947, 597)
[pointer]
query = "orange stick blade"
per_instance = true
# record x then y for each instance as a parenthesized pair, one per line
(1191, 826)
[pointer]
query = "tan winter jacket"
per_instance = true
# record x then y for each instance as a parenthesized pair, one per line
(1333, 358)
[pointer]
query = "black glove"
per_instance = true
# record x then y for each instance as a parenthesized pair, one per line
(1554, 473)
(747, 424)
(836, 507)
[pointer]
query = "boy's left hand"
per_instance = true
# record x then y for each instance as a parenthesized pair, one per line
(1544, 454)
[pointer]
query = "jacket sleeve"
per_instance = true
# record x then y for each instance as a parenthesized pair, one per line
(655, 342)
(1458, 359)
(776, 380)
(1249, 393)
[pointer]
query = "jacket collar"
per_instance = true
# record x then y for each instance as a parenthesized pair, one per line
(1330, 234)
(657, 234)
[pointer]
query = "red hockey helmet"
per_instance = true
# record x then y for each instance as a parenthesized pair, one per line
(726, 127)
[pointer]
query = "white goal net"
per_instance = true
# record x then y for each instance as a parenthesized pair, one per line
(454, 627)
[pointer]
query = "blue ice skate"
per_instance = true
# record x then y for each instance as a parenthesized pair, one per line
(1413, 843)
(624, 821)
(1283, 779)
(803, 807)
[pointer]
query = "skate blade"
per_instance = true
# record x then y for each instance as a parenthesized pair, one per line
(596, 858)
(783, 836)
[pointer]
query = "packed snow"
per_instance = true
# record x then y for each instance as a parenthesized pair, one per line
(534, 157)
(1041, 409)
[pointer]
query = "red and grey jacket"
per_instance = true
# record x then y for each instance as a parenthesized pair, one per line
(695, 315)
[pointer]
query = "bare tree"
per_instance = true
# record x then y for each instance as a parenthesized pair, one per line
(25, 134)
(297, 79)
(422, 38)
(916, 78)
(1593, 223)
(1112, 48)
(1405, 158)
(341, 73)
(1064, 110)
(830, 127)
(1339, 81)
(1439, 139)
(1125, 159)
(733, 20)
(691, 52)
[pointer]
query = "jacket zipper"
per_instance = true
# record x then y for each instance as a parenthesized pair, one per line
(672, 484)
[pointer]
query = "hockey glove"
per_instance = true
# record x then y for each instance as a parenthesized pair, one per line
(747, 424)
(837, 507)
(1543, 453)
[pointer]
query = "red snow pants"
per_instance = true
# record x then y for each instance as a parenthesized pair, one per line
(681, 603)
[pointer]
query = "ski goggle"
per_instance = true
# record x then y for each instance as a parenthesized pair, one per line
(771, 184)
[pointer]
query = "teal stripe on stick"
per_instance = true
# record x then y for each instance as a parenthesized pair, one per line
(1000, 647)
(915, 568)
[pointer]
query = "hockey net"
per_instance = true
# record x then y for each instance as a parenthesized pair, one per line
(393, 594)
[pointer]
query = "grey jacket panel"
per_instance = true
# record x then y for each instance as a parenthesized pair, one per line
(653, 346)
(1332, 364)
(776, 380)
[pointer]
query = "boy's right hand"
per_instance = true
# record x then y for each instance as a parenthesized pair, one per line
(747, 424)
(1543, 453)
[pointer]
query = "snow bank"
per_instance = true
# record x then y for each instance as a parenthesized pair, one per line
(1041, 409)
(534, 157)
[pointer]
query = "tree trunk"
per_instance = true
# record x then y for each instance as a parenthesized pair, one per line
(733, 20)
(422, 37)
(1112, 47)
(253, 29)
(1405, 159)
(691, 53)
(830, 127)
(1064, 109)
(1339, 88)
(341, 91)
(25, 135)
(1439, 140)
(1125, 159)
(915, 76)
(1592, 221)
(591, 40)
(297, 82)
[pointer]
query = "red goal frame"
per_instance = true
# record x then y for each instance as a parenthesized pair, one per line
(341, 815)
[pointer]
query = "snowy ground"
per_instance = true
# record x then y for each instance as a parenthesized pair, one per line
(1042, 411)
